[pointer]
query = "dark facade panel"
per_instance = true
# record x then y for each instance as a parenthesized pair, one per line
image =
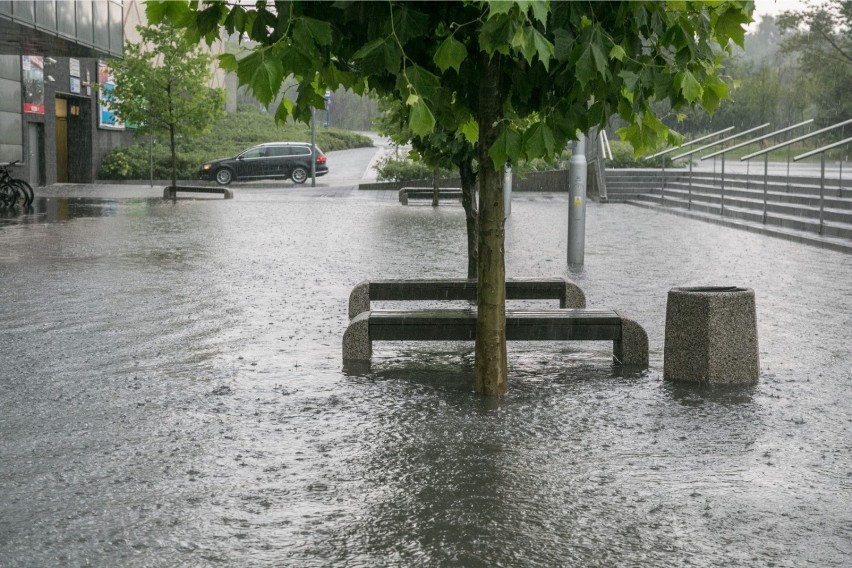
(10, 95)
(10, 67)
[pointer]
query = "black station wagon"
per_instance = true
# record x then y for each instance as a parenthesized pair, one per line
(274, 160)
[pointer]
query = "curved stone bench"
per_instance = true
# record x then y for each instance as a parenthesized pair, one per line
(407, 193)
(171, 191)
(629, 340)
(566, 291)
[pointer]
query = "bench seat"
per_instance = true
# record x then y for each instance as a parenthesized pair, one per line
(566, 291)
(170, 191)
(630, 342)
(426, 193)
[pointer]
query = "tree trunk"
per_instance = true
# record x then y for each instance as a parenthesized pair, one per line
(174, 155)
(435, 187)
(468, 183)
(490, 376)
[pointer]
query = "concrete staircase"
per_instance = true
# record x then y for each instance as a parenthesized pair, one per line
(791, 210)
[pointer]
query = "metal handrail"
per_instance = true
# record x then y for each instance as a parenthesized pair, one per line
(758, 139)
(794, 140)
(823, 149)
(821, 152)
(690, 143)
(722, 141)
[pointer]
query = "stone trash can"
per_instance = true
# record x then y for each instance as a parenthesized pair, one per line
(711, 336)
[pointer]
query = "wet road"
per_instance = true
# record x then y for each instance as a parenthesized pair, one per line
(171, 394)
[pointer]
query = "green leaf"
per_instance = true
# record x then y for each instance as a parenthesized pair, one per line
(228, 62)
(421, 120)
(497, 33)
(470, 130)
(540, 10)
(730, 25)
(497, 7)
(506, 146)
(285, 110)
(451, 53)
(409, 23)
(320, 31)
(617, 52)
(539, 142)
(687, 84)
(412, 99)
(543, 48)
(564, 44)
(263, 74)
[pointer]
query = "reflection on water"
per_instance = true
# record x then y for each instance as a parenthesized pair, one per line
(172, 393)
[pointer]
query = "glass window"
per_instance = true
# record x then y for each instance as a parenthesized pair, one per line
(84, 22)
(254, 153)
(101, 25)
(65, 18)
(301, 151)
(116, 31)
(279, 151)
(6, 7)
(46, 14)
(24, 10)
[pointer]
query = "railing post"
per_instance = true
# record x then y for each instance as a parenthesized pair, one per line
(663, 188)
(722, 191)
(689, 203)
(765, 183)
(789, 148)
(821, 190)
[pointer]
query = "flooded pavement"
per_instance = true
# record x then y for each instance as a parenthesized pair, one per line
(171, 394)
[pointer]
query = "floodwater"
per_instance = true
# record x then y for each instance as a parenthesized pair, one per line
(172, 394)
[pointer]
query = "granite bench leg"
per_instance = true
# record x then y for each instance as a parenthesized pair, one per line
(632, 350)
(359, 299)
(572, 297)
(356, 339)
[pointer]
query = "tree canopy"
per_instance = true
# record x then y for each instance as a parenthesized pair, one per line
(520, 78)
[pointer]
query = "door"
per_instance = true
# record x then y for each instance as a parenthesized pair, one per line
(61, 141)
(250, 163)
(276, 161)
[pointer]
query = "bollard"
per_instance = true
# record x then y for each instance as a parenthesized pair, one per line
(711, 336)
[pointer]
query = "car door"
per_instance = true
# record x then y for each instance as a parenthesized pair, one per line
(275, 164)
(250, 163)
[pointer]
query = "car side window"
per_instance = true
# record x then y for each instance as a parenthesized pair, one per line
(254, 153)
(301, 151)
(278, 151)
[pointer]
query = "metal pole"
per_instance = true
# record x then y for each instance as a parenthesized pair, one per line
(313, 148)
(765, 183)
(788, 168)
(663, 189)
(151, 156)
(689, 203)
(821, 189)
(722, 192)
(577, 206)
(507, 191)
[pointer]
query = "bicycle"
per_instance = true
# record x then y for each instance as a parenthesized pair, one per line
(14, 190)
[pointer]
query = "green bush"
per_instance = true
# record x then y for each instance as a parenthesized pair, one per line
(623, 157)
(404, 169)
(229, 136)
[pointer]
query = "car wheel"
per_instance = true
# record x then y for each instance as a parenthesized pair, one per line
(299, 175)
(224, 176)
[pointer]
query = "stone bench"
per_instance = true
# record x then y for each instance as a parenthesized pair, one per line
(426, 193)
(567, 292)
(170, 191)
(629, 340)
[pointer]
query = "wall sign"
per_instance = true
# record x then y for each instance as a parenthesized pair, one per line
(33, 71)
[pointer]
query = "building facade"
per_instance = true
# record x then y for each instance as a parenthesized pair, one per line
(51, 119)
(53, 116)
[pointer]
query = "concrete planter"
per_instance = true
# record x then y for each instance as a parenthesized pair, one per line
(711, 336)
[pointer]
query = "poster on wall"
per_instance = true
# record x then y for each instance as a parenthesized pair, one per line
(33, 71)
(106, 117)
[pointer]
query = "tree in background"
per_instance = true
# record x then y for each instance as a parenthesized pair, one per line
(821, 37)
(161, 87)
(518, 78)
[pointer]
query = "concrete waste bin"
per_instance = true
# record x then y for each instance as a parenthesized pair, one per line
(711, 336)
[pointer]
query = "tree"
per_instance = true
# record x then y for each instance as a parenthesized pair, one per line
(520, 78)
(161, 86)
(821, 36)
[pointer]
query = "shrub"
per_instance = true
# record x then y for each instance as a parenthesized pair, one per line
(404, 169)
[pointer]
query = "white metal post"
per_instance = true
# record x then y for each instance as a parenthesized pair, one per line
(577, 206)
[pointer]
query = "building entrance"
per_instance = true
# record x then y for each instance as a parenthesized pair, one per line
(73, 141)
